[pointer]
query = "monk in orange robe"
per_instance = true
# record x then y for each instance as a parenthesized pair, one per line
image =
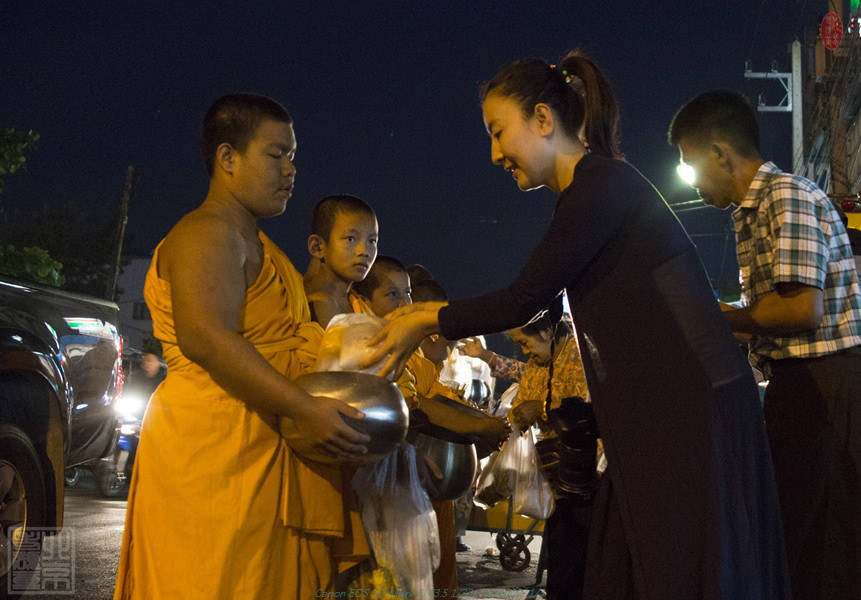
(229, 308)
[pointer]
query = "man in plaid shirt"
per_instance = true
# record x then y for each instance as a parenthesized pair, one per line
(802, 313)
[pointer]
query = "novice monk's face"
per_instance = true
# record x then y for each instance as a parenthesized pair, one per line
(352, 245)
(517, 143)
(262, 176)
(392, 293)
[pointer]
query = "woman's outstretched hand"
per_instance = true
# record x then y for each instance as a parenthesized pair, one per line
(406, 329)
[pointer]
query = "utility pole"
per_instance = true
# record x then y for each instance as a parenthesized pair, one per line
(791, 102)
(797, 112)
(111, 291)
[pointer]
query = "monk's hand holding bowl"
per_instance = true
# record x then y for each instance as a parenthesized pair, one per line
(320, 422)
(405, 330)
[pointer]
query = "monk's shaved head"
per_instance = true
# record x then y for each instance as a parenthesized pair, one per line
(384, 264)
(428, 290)
(327, 209)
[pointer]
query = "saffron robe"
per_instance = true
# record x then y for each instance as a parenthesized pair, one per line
(203, 508)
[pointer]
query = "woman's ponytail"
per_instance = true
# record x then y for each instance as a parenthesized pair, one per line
(602, 110)
(575, 89)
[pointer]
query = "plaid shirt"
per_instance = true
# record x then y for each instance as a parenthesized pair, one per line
(787, 230)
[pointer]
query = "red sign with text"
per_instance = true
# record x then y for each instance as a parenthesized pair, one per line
(831, 31)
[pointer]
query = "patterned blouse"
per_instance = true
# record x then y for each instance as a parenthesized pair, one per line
(506, 368)
(568, 378)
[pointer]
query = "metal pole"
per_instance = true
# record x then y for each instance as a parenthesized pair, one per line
(121, 231)
(797, 110)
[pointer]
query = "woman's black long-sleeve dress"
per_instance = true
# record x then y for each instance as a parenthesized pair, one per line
(688, 508)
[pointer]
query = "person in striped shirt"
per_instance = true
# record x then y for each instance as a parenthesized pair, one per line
(802, 310)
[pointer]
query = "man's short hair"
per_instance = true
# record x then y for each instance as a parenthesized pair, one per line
(323, 215)
(234, 119)
(718, 115)
(383, 264)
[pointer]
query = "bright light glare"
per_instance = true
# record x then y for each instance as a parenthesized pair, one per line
(130, 406)
(686, 172)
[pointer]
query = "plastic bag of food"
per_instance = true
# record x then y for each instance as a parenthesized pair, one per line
(344, 344)
(533, 495)
(399, 520)
(497, 479)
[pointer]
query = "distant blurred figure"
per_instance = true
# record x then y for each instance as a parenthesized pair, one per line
(151, 372)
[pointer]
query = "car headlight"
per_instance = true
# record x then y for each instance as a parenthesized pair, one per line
(130, 406)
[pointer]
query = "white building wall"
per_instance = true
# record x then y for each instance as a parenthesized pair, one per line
(135, 320)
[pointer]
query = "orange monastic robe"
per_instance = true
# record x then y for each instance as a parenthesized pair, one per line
(203, 516)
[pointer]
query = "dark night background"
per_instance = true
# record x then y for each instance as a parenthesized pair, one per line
(384, 97)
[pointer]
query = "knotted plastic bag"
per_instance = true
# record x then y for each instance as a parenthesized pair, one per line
(513, 473)
(344, 344)
(497, 478)
(533, 495)
(503, 407)
(399, 520)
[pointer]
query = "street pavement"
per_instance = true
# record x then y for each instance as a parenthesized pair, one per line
(481, 575)
(97, 526)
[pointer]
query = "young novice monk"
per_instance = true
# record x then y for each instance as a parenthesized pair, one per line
(229, 309)
(343, 246)
(387, 288)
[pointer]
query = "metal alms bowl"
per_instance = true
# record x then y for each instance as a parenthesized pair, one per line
(450, 465)
(386, 414)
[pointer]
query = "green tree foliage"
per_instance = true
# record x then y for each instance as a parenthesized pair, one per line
(84, 243)
(23, 261)
(14, 146)
(30, 264)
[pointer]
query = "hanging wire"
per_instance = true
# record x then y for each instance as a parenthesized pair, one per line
(799, 29)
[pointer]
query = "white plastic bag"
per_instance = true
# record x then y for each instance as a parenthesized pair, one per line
(497, 478)
(533, 495)
(504, 406)
(399, 520)
(344, 345)
(514, 473)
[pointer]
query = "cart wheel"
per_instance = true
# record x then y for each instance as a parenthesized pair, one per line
(507, 540)
(514, 555)
(517, 561)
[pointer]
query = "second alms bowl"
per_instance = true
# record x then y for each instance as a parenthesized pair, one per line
(386, 415)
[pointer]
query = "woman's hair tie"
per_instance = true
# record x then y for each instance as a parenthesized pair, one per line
(571, 79)
(564, 73)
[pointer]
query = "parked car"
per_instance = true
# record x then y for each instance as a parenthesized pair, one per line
(60, 375)
(114, 471)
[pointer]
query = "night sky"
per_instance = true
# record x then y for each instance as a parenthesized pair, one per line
(384, 98)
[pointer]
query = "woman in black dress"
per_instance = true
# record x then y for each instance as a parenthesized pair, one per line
(688, 507)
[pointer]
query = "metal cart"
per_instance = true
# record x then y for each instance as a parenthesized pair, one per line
(514, 533)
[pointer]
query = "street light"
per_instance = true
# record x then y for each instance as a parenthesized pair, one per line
(686, 172)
